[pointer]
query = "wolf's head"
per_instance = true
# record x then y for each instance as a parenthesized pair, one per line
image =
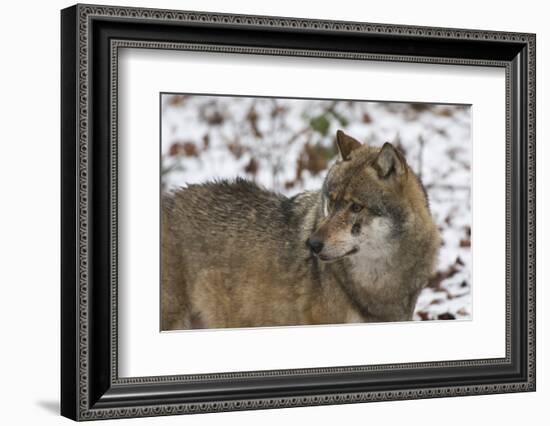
(370, 200)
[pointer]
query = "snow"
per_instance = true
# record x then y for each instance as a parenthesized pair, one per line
(275, 142)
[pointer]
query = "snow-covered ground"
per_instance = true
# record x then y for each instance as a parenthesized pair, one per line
(287, 144)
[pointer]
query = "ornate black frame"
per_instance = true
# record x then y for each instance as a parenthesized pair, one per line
(91, 37)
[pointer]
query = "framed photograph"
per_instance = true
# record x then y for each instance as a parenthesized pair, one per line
(263, 212)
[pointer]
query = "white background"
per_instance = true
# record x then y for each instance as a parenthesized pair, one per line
(29, 229)
(146, 352)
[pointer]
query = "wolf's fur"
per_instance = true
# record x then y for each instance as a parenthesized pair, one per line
(236, 255)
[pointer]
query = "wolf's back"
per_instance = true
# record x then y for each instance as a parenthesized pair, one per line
(229, 209)
(225, 220)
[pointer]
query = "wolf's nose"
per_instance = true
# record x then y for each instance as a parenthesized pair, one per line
(315, 245)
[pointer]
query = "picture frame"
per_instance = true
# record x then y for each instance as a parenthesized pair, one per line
(91, 37)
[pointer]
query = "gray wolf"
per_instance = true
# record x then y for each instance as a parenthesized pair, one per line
(360, 249)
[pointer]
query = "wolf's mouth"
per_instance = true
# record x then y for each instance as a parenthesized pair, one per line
(332, 259)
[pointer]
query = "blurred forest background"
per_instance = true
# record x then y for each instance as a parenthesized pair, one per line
(288, 144)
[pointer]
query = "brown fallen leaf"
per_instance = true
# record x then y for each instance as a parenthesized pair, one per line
(215, 118)
(236, 149)
(465, 243)
(311, 159)
(424, 316)
(290, 184)
(444, 112)
(251, 167)
(183, 148)
(177, 100)
(439, 276)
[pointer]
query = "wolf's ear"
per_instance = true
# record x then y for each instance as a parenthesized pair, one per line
(346, 144)
(390, 162)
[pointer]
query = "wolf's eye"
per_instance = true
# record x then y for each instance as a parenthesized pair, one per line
(356, 208)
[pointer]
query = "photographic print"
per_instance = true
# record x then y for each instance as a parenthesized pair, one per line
(285, 212)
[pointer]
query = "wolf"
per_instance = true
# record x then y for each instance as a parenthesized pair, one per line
(360, 249)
